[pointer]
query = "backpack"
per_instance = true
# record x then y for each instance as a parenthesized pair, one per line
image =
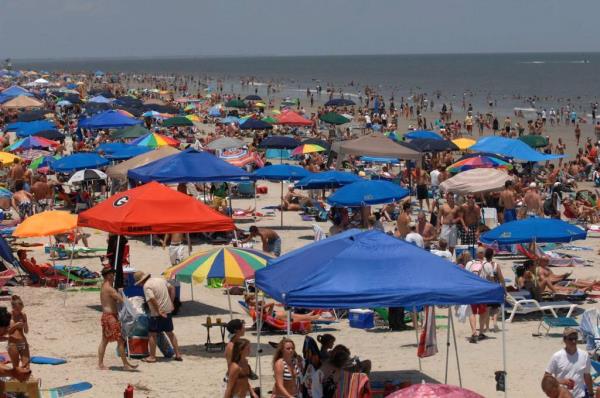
(476, 267)
(493, 276)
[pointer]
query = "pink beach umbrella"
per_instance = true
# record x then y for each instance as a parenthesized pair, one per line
(427, 390)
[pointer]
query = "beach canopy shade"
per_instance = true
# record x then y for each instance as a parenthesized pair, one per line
(370, 269)
(130, 132)
(281, 172)
(32, 142)
(533, 230)
(327, 180)
(478, 162)
(255, 124)
(429, 390)
(225, 143)
(236, 103)
(47, 223)
(506, 159)
(127, 152)
(231, 264)
(413, 135)
(291, 118)
(371, 159)
(155, 140)
(54, 135)
(516, 149)
(279, 142)
(252, 97)
(307, 148)
(8, 158)
(230, 120)
(79, 161)
(476, 181)
(317, 141)
(377, 145)
(333, 118)
(33, 115)
(108, 120)
(366, 193)
(153, 209)
(15, 91)
(269, 119)
(99, 99)
(464, 143)
(24, 129)
(189, 166)
(86, 175)
(22, 102)
(177, 121)
(534, 140)
(42, 161)
(340, 102)
(119, 171)
(430, 145)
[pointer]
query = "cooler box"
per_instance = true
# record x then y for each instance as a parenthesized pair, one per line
(362, 319)
(261, 190)
(459, 249)
(129, 287)
(138, 346)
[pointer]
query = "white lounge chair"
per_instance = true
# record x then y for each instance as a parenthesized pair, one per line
(520, 306)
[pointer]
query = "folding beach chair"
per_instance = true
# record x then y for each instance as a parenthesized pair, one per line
(548, 323)
(520, 306)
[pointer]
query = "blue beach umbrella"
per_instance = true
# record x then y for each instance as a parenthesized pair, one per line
(281, 172)
(533, 230)
(411, 135)
(367, 192)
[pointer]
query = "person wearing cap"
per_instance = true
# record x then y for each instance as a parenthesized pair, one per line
(414, 237)
(571, 366)
(533, 201)
(111, 326)
(159, 296)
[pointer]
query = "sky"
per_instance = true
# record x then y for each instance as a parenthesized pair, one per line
(38, 29)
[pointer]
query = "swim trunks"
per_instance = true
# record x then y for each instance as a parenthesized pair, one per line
(111, 327)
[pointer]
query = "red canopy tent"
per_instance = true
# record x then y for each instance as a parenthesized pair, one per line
(291, 118)
(153, 209)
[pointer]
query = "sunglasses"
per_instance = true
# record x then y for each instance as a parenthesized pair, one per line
(572, 338)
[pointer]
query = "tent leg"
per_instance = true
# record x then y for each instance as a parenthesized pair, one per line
(69, 269)
(281, 209)
(258, 330)
(447, 346)
(504, 351)
(455, 348)
(289, 321)
(117, 256)
(416, 326)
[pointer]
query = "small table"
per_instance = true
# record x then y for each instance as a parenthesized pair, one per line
(215, 346)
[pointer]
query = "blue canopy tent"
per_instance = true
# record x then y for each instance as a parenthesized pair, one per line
(255, 124)
(108, 120)
(24, 129)
(533, 230)
(281, 172)
(79, 161)
(189, 166)
(516, 149)
(15, 91)
(99, 99)
(327, 180)
(370, 269)
(127, 152)
(412, 135)
(366, 193)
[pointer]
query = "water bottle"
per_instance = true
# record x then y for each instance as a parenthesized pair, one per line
(128, 391)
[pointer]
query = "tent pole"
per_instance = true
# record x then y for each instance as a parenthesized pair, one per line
(229, 303)
(117, 256)
(504, 350)
(69, 269)
(416, 326)
(455, 349)
(447, 346)
(258, 310)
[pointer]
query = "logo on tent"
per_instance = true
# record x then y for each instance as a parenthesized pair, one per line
(506, 234)
(121, 201)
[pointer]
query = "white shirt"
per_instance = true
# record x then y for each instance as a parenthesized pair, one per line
(443, 254)
(416, 239)
(565, 366)
(435, 177)
(481, 268)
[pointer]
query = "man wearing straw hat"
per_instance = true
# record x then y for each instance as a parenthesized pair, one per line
(159, 296)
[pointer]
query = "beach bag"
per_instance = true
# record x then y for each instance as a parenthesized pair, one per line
(463, 312)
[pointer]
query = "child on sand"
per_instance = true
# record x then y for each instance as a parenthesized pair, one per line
(18, 348)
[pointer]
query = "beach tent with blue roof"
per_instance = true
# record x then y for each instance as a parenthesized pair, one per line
(79, 161)
(25, 129)
(515, 149)
(108, 120)
(15, 91)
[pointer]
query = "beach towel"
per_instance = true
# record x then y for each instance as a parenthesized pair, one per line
(64, 391)
(353, 385)
(428, 339)
(47, 360)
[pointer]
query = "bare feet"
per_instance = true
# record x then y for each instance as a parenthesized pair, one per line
(21, 374)
(130, 367)
(102, 367)
(149, 360)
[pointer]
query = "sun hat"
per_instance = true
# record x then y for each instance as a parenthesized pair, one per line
(569, 331)
(140, 277)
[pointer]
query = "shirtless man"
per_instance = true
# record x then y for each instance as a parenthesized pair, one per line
(22, 201)
(425, 229)
(42, 193)
(423, 180)
(472, 219)
(271, 242)
(176, 247)
(16, 173)
(508, 200)
(450, 216)
(403, 221)
(294, 201)
(111, 327)
(533, 201)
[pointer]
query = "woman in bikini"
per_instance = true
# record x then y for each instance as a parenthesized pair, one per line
(238, 384)
(17, 347)
(287, 370)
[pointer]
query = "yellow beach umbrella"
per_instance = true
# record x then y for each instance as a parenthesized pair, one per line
(7, 158)
(193, 118)
(47, 223)
(464, 143)
(276, 112)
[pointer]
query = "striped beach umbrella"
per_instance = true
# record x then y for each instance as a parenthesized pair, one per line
(32, 142)
(233, 265)
(42, 161)
(154, 140)
(478, 162)
(7, 158)
(464, 143)
(307, 148)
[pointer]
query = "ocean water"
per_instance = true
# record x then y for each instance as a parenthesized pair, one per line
(507, 79)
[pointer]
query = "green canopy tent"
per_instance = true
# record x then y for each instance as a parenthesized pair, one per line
(177, 121)
(334, 118)
(130, 132)
(236, 103)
